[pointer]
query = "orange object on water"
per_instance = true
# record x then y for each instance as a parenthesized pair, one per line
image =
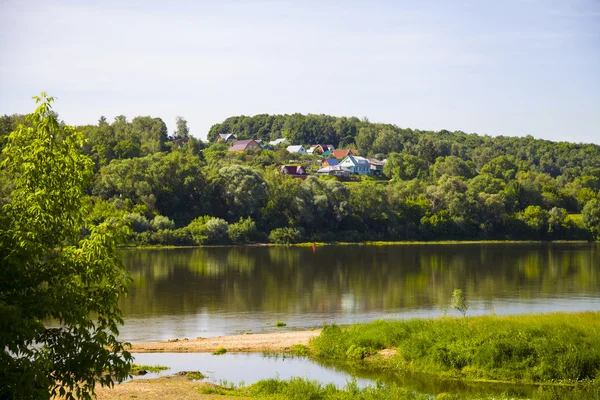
(314, 247)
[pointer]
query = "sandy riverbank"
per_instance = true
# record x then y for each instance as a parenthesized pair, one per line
(171, 387)
(250, 342)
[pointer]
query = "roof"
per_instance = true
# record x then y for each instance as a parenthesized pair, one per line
(374, 161)
(295, 149)
(332, 161)
(241, 145)
(277, 141)
(343, 153)
(293, 169)
(326, 170)
(356, 160)
(226, 135)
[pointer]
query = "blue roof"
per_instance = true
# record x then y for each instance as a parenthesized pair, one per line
(332, 161)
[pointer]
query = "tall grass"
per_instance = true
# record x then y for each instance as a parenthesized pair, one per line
(526, 348)
(303, 389)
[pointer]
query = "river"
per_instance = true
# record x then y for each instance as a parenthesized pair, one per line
(226, 290)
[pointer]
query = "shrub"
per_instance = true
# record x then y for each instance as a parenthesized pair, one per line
(161, 222)
(243, 231)
(208, 230)
(459, 301)
(285, 236)
(138, 222)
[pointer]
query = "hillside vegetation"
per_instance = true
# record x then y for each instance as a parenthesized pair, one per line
(175, 189)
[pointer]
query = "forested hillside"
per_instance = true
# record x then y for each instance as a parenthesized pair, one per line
(175, 189)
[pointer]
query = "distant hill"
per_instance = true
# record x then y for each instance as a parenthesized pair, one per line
(554, 158)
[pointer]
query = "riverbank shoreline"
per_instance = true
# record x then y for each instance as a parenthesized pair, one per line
(367, 243)
(246, 343)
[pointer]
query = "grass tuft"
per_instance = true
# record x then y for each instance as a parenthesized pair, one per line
(220, 351)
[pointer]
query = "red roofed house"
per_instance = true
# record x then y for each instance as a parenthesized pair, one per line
(296, 171)
(344, 153)
(243, 145)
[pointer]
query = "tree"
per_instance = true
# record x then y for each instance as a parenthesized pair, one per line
(182, 131)
(591, 217)
(51, 272)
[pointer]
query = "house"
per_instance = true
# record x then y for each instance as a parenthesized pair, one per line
(339, 154)
(330, 162)
(266, 146)
(376, 166)
(278, 141)
(243, 145)
(226, 137)
(356, 165)
(320, 148)
(337, 171)
(297, 149)
(296, 171)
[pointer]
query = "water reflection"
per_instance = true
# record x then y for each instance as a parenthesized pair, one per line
(212, 291)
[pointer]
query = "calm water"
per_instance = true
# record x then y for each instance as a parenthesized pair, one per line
(214, 291)
(245, 368)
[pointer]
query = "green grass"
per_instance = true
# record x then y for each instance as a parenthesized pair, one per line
(220, 351)
(280, 324)
(300, 389)
(197, 375)
(548, 348)
(137, 369)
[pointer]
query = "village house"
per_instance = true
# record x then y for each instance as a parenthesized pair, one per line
(330, 162)
(320, 148)
(297, 149)
(296, 171)
(337, 171)
(376, 166)
(356, 165)
(339, 154)
(226, 137)
(278, 141)
(243, 145)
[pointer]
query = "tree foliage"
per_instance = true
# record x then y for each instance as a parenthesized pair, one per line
(59, 289)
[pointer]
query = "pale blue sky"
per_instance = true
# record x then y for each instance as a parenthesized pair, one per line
(512, 67)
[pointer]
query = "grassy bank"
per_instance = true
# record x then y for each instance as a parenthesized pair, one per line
(550, 348)
(301, 389)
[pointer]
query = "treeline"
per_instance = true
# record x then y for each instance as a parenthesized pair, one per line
(436, 185)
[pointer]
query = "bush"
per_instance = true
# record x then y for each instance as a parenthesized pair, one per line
(243, 231)
(137, 222)
(285, 236)
(208, 230)
(161, 222)
(216, 231)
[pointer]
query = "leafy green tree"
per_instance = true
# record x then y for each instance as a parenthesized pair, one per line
(453, 166)
(243, 190)
(591, 217)
(182, 131)
(50, 272)
(405, 167)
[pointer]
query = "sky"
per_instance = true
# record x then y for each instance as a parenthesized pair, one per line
(514, 67)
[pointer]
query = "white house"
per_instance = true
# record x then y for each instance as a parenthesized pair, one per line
(278, 141)
(296, 149)
(356, 165)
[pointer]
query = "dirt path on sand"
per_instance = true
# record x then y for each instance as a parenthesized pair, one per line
(259, 342)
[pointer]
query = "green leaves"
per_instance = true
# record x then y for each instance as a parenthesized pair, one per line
(51, 272)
